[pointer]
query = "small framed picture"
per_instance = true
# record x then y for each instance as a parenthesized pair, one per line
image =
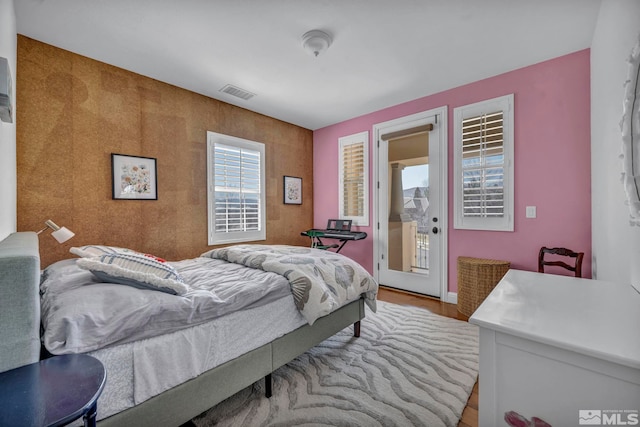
(292, 190)
(133, 177)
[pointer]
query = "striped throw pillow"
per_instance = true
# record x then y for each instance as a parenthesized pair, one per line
(89, 251)
(137, 270)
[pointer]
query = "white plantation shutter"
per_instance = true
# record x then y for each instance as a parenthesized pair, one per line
(354, 177)
(483, 165)
(236, 189)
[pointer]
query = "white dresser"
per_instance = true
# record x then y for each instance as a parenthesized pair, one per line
(552, 346)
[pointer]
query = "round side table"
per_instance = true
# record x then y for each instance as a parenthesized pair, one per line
(52, 392)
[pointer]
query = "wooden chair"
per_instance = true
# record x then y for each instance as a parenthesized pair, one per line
(577, 263)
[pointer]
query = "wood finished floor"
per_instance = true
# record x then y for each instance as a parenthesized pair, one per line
(470, 415)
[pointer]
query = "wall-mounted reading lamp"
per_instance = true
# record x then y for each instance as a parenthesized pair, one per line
(61, 234)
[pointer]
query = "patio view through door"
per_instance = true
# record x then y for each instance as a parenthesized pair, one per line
(411, 199)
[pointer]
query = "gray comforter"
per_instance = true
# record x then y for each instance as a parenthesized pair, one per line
(321, 281)
(81, 314)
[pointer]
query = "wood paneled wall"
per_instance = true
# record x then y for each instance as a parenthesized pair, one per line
(73, 112)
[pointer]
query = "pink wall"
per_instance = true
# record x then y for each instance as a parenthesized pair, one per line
(552, 164)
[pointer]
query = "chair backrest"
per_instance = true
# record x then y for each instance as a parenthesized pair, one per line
(577, 261)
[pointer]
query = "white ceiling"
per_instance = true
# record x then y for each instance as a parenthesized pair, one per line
(384, 52)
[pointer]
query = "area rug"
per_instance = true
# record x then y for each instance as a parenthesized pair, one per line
(409, 367)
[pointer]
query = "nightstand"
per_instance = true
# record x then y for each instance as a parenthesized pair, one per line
(52, 392)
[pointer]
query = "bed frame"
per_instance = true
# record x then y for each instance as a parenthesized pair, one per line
(20, 344)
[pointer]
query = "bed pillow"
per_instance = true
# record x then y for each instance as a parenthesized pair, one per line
(89, 251)
(137, 270)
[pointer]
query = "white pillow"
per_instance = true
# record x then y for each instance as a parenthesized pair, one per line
(89, 251)
(137, 270)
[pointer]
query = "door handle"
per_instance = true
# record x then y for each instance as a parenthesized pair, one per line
(434, 230)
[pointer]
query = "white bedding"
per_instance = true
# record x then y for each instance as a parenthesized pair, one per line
(140, 370)
(81, 314)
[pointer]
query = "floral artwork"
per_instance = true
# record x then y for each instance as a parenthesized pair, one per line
(292, 190)
(134, 177)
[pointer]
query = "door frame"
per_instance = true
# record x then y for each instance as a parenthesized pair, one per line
(379, 129)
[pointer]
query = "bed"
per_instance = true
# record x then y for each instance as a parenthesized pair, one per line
(158, 379)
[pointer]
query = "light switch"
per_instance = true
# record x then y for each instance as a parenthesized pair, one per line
(531, 211)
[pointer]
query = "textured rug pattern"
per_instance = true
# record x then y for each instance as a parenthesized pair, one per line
(409, 367)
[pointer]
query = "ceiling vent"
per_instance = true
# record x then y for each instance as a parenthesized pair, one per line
(236, 91)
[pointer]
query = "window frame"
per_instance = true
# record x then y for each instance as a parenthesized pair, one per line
(361, 137)
(506, 222)
(217, 238)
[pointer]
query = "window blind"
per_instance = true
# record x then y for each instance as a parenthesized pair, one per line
(237, 189)
(353, 179)
(483, 166)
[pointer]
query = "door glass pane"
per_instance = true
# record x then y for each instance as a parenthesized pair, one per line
(408, 238)
(415, 180)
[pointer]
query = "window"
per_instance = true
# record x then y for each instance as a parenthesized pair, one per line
(236, 193)
(483, 168)
(354, 178)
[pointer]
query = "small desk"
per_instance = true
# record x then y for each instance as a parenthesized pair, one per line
(342, 236)
(52, 392)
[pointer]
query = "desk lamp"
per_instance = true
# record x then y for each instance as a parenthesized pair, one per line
(61, 234)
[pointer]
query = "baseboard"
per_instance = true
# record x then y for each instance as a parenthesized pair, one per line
(452, 298)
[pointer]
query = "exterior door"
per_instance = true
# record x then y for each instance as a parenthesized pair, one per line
(410, 245)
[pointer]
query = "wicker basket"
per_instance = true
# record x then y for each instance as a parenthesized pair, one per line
(476, 279)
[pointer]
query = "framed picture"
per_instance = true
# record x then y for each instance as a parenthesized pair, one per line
(133, 177)
(292, 190)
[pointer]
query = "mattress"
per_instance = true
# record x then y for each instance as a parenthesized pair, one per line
(139, 370)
